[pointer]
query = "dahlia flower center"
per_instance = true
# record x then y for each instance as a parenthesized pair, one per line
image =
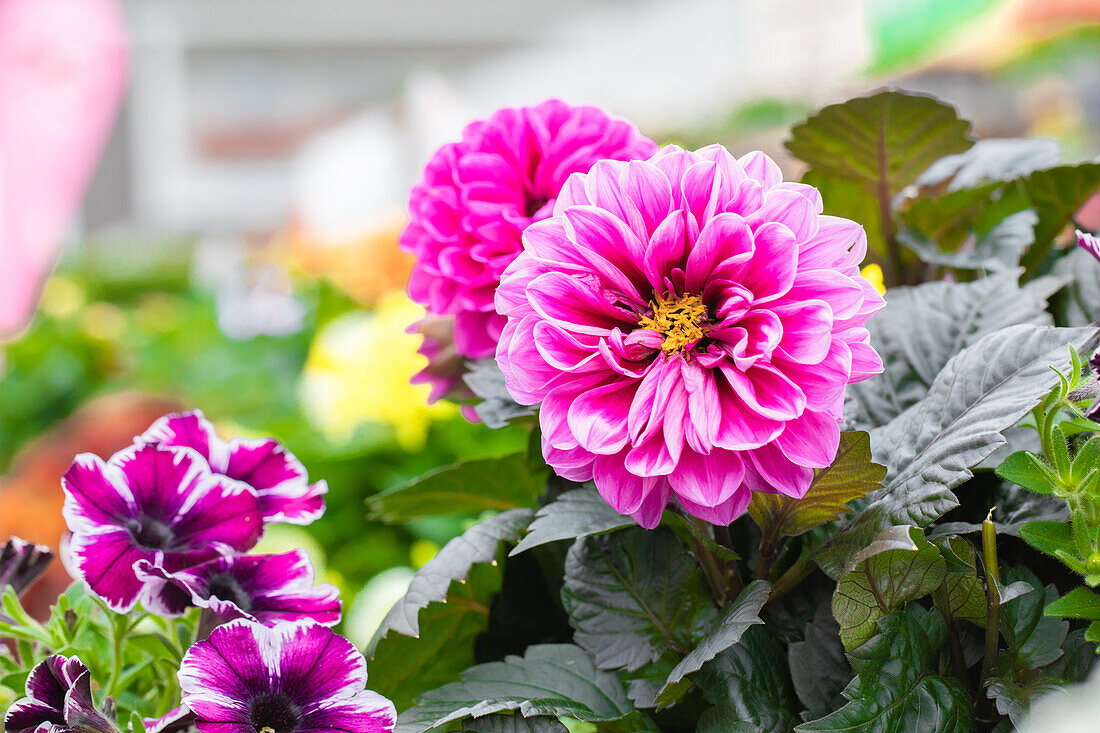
(150, 533)
(681, 320)
(271, 712)
(229, 589)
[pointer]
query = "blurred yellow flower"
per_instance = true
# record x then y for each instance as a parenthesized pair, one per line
(873, 273)
(358, 372)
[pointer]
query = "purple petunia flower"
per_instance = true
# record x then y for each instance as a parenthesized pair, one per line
(21, 563)
(688, 325)
(290, 678)
(1089, 243)
(262, 588)
(176, 720)
(59, 700)
(478, 195)
(280, 480)
(151, 503)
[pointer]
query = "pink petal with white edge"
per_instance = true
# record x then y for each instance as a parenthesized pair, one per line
(708, 480)
(649, 188)
(785, 476)
(720, 514)
(810, 440)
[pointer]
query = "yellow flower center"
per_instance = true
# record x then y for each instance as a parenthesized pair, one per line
(682, 321)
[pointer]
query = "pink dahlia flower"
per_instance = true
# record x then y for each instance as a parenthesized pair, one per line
(478, 195)
(688, 324)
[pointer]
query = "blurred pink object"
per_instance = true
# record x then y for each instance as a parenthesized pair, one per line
(62, 73)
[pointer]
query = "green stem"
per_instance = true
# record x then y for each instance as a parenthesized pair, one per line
(794, 575)
(119, 626)
(712, 571)
(993, 595)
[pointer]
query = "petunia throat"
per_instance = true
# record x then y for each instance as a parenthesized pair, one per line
(681, 320)
(273, 712)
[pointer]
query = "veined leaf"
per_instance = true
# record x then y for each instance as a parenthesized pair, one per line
(819, 669)
(633, 596)
(548, 680)
(749, 682)
(1049, 537)
(922, 328)
(735, 620)
(897, 688)
(469, 487)
(930, 448)
(899, 566)
(578, 513)
(1078, 603)
(478, 544)
(851, 476)
(1057, 194)
(883, 142)
(513, 723)
(990, 160)
(1034, 640)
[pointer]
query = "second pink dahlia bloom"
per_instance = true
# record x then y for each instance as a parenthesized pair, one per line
(688, 324)
(478, 195)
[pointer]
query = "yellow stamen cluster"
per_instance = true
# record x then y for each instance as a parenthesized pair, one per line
(680, 320)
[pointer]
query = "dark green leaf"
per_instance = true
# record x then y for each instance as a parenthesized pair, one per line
(923, 327)
(930, 448)
(576, 513)
(1034, 640)
(851, 475)
(749, 682)
(1026, 469)
(1049, 537)
(996, 250)
(513, 723)
(881, 142)
(819, 669)
(841, 197)
(736, 618)
(403, 667)
(718, 720)
(898, 689)
(634, 595)
(900, 565)
(470, 487)
(1057, 194)
(1078, 603)
(548, 680)
(478, 544)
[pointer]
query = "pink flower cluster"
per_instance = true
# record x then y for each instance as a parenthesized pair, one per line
(688, 325)
(474, 201)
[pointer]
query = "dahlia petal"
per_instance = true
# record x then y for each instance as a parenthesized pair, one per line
(598, 417)
(822, 383)
(572, 464)
(704, 407)
(648, 514)
(727, 240)
(604, 191)
(741, 427)
(527, 383)
(600, 233)
(572, 194)
(807, 191)
(761, 168)
(788, 478)
(767, 391)
(807, 327)
(563, 350)
(707, 480)
(771, 272)
(476, 332)
(674, 161)
(843, 294)
(622, 489)
(839, 244)
(747, 197)
(573, 305)
(666, 249)
(649, 189)
(810, 440)
(720, 514)
(789, 208)
(700, 189)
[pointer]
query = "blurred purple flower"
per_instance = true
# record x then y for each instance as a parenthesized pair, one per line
(280, 480)
(478, 195)
(176, 720)
(152, 503)
(59, 700)
(1089, 243)
(290, 678)
(21, 563)
(262, 588)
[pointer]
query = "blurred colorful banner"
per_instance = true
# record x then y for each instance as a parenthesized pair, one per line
(62, 73)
